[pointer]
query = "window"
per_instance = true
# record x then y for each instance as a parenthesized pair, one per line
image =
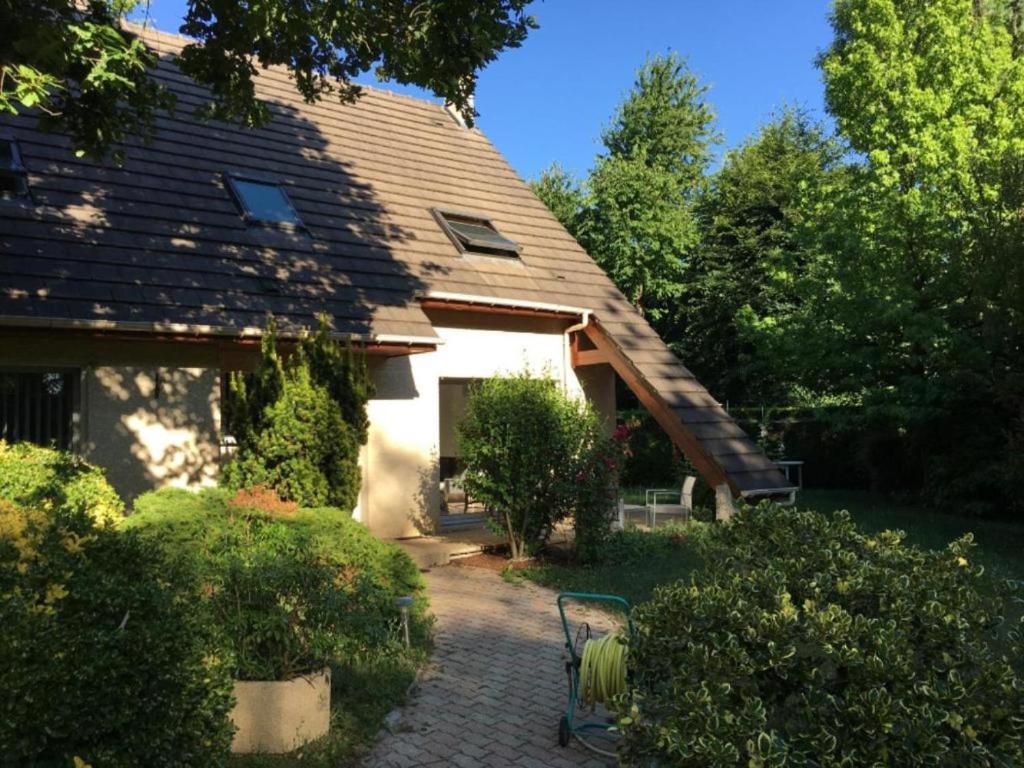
(475, 234)
(38, 406)
(13, 179)
(263, 202)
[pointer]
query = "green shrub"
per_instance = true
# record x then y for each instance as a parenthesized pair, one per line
(299, 422)
(805, 642)
(531, 455)
(100, 656)
(289, 591)
(37, 477)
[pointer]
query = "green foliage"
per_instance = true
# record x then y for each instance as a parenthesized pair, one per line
(563, 196)
(288, 593)
(533, 455)
(653, 461)
(101, 655)
(56, 481)
(665, 122)
(634, 214)
(912, 301)
(299, 422)
(84, 73)
(598, 462)
(805, 642)
(638, 228)
(89, 76)
(751, 218)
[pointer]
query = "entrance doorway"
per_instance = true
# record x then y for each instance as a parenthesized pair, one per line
(458, 509)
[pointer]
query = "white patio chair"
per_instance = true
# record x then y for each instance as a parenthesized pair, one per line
(454, 492)
(654, 505)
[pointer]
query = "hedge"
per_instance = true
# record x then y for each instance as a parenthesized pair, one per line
(806, 642)
(290, 588)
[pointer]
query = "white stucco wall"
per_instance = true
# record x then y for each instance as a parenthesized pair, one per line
(152, 426)
(400, 460)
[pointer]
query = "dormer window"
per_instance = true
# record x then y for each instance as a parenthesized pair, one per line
(475, 234)
(13, 178)
(263, 202)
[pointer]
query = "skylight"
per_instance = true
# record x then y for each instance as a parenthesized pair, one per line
(13, 179)
(475, 234)
(263, 202)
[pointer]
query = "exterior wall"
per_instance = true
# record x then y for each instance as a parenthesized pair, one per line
(400, 461)
(152, 426)
(149, 411)
(400, 488)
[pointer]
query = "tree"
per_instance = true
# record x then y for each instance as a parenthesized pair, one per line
(562, 193)
(741, 277)
(634, 213)
(88, 75)
(913, 303)
(299, 421)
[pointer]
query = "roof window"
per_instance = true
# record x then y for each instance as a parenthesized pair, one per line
(263, 202)
(13, 179)
(475, 234)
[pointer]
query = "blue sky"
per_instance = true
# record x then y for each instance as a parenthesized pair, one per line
(548, 100)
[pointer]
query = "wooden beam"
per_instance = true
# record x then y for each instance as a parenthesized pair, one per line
(589, 357)
(648, 396)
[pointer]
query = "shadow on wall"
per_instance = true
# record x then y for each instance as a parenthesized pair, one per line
(151, 427)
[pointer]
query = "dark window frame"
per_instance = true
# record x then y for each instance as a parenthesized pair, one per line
(71, 408)
(250, 217)
(466, 245)
(16, 171)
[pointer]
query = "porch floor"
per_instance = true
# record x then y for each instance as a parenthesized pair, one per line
(432, 551)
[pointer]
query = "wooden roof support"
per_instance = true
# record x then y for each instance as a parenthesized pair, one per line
(609, 352)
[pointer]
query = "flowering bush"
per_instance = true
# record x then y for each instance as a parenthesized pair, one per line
(101, 657)
(599, 462)
(806, 642)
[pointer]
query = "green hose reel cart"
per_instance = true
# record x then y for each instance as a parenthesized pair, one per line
(596, 671)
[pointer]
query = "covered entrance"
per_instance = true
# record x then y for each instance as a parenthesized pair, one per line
(458, 510)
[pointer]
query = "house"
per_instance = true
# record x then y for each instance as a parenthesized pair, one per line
(127, 292)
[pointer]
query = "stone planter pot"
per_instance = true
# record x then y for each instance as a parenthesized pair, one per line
(279, 716)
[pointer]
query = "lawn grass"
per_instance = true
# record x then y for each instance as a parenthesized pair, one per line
(363, 692)
(640, 563)
(1000, 542)
(645, 561)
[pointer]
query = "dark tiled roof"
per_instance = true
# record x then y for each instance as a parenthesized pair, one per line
(159, 240)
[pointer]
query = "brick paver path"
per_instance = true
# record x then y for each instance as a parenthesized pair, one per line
(496, 687)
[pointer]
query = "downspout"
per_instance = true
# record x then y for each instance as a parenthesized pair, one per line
(567, 346)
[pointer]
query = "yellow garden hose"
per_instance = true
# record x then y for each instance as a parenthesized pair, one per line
(603, 669)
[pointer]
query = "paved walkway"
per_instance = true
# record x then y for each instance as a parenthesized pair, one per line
(496, 686)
